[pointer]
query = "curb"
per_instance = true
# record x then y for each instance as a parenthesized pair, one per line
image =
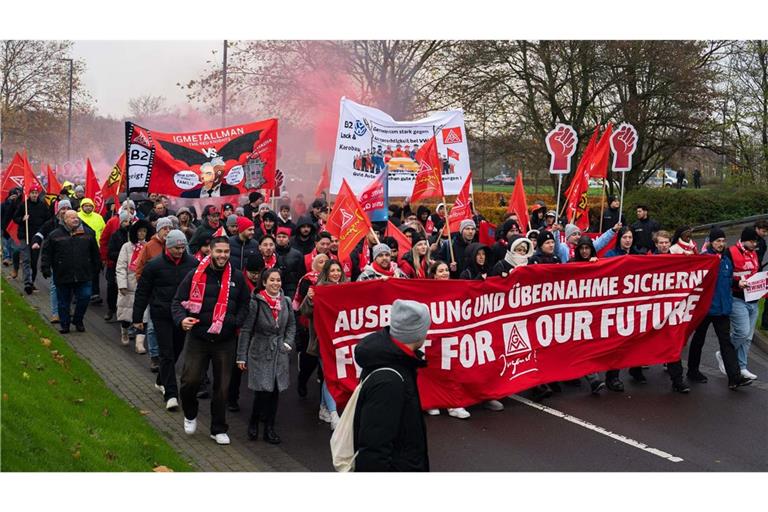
(760, 339)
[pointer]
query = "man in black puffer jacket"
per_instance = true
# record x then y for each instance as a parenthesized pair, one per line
(71, 254)
(160, 278)
(389, 429)
(36, 212)
(289, 260)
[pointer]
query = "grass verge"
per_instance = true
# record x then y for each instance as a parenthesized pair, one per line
(58, 414)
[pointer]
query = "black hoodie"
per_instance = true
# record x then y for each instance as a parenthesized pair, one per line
(471, 269)
(304, 246)
(389, 429)
(584, 240)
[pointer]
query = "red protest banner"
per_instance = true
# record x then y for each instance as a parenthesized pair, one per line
(544, 323)
(211, 163)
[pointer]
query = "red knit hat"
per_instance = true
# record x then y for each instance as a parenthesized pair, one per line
(284, 230)
(243, 223)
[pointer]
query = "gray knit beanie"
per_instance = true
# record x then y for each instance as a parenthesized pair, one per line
(163, 222)
(571, 229)
(232, 220)
(410, 321)
(381, 249)
(467, 223)
(175, 238)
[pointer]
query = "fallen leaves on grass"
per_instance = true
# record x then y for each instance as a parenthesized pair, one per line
(59, 358)
(46, 342)
(105, 412)
(52, 382)
(162, 469)
(78, 401)
(5, 397)
(143, 412)
(25, 376)
(110, 456)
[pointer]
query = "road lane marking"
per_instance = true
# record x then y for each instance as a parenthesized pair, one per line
(599, 430)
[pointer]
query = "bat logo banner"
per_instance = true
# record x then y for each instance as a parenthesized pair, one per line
(543, 323)
(213, 163)
(369, 142)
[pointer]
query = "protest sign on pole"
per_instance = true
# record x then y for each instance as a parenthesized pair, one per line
(369, 141)
(561, 143)
(757, 287)
(543, 323)
(211, 163)
(623, 145)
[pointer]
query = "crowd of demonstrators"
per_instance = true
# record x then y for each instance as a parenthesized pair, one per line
(235, 291)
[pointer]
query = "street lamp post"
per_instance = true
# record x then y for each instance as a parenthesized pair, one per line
(224, 88)
(69, 116)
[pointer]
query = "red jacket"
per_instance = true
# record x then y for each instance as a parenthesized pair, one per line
(745, 265)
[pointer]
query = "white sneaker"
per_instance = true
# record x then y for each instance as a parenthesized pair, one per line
(324, 414)
(459, 412)
(172, 404)
(190, 426)
(720, 363)
(433, 412)
(748, 374)
(494, 405)
(334, 419)
(220, 438)
(160, 388)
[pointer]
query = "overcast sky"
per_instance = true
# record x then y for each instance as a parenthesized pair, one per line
(119, 70)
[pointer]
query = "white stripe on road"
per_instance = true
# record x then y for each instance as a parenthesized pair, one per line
(599, 430)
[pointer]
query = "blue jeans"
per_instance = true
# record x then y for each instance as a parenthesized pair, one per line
(9, 248)
(153, 349)
(54, 299)
(82, 294)
(743, 321)
(325, 395)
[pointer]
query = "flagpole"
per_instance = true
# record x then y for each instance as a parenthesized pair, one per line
(559, 188)
(26, 217)
(448, 227)
(621, 202)
(602, 205)
(375, 236)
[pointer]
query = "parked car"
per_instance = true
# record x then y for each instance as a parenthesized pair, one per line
(598, 183)
(501, 179)
(664, 178)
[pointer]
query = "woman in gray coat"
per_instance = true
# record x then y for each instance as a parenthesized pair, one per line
(265, 341)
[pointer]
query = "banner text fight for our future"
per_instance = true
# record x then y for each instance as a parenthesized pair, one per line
(543, 323)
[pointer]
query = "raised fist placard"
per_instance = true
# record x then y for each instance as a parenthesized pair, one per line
(561, 144)
(623, 145)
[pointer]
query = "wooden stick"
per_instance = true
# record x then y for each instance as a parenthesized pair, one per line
(602, 206)
(26, 220)
(448, 227)
(375, 236)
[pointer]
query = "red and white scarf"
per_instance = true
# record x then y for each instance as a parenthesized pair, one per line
(298, 298)
(197, 293)
(384, 272)
(270, 262)
(137, 248)
(274, 304)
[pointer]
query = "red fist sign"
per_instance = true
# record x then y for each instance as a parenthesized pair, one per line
(623, 145)
(561, 144)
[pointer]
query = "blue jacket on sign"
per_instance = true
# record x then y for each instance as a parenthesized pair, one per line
(722, 300)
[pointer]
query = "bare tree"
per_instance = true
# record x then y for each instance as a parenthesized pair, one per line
(146, 106)
(34, 91)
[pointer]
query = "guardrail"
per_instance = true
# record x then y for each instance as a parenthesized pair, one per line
(734, 222)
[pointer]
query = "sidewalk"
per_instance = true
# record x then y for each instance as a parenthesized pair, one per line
(127, 375)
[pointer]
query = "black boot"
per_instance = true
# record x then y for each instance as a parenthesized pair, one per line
(614, 384)
(253, 430)
(637, 375)
(270, 435)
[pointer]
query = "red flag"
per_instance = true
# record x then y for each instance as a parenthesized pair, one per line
(577, 209)
(324, 183)
(598, 161)
(518, 204)
(403, 242)
(30, 180)
(347, 221)
(486, 233)
(92, 188)
(453, 154)
(429, 179)
(13, 176)
(54, 187)
(588, 151)
(461, 207)
(115, 181)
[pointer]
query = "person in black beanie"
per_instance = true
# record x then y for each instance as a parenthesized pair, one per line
(718, 316)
